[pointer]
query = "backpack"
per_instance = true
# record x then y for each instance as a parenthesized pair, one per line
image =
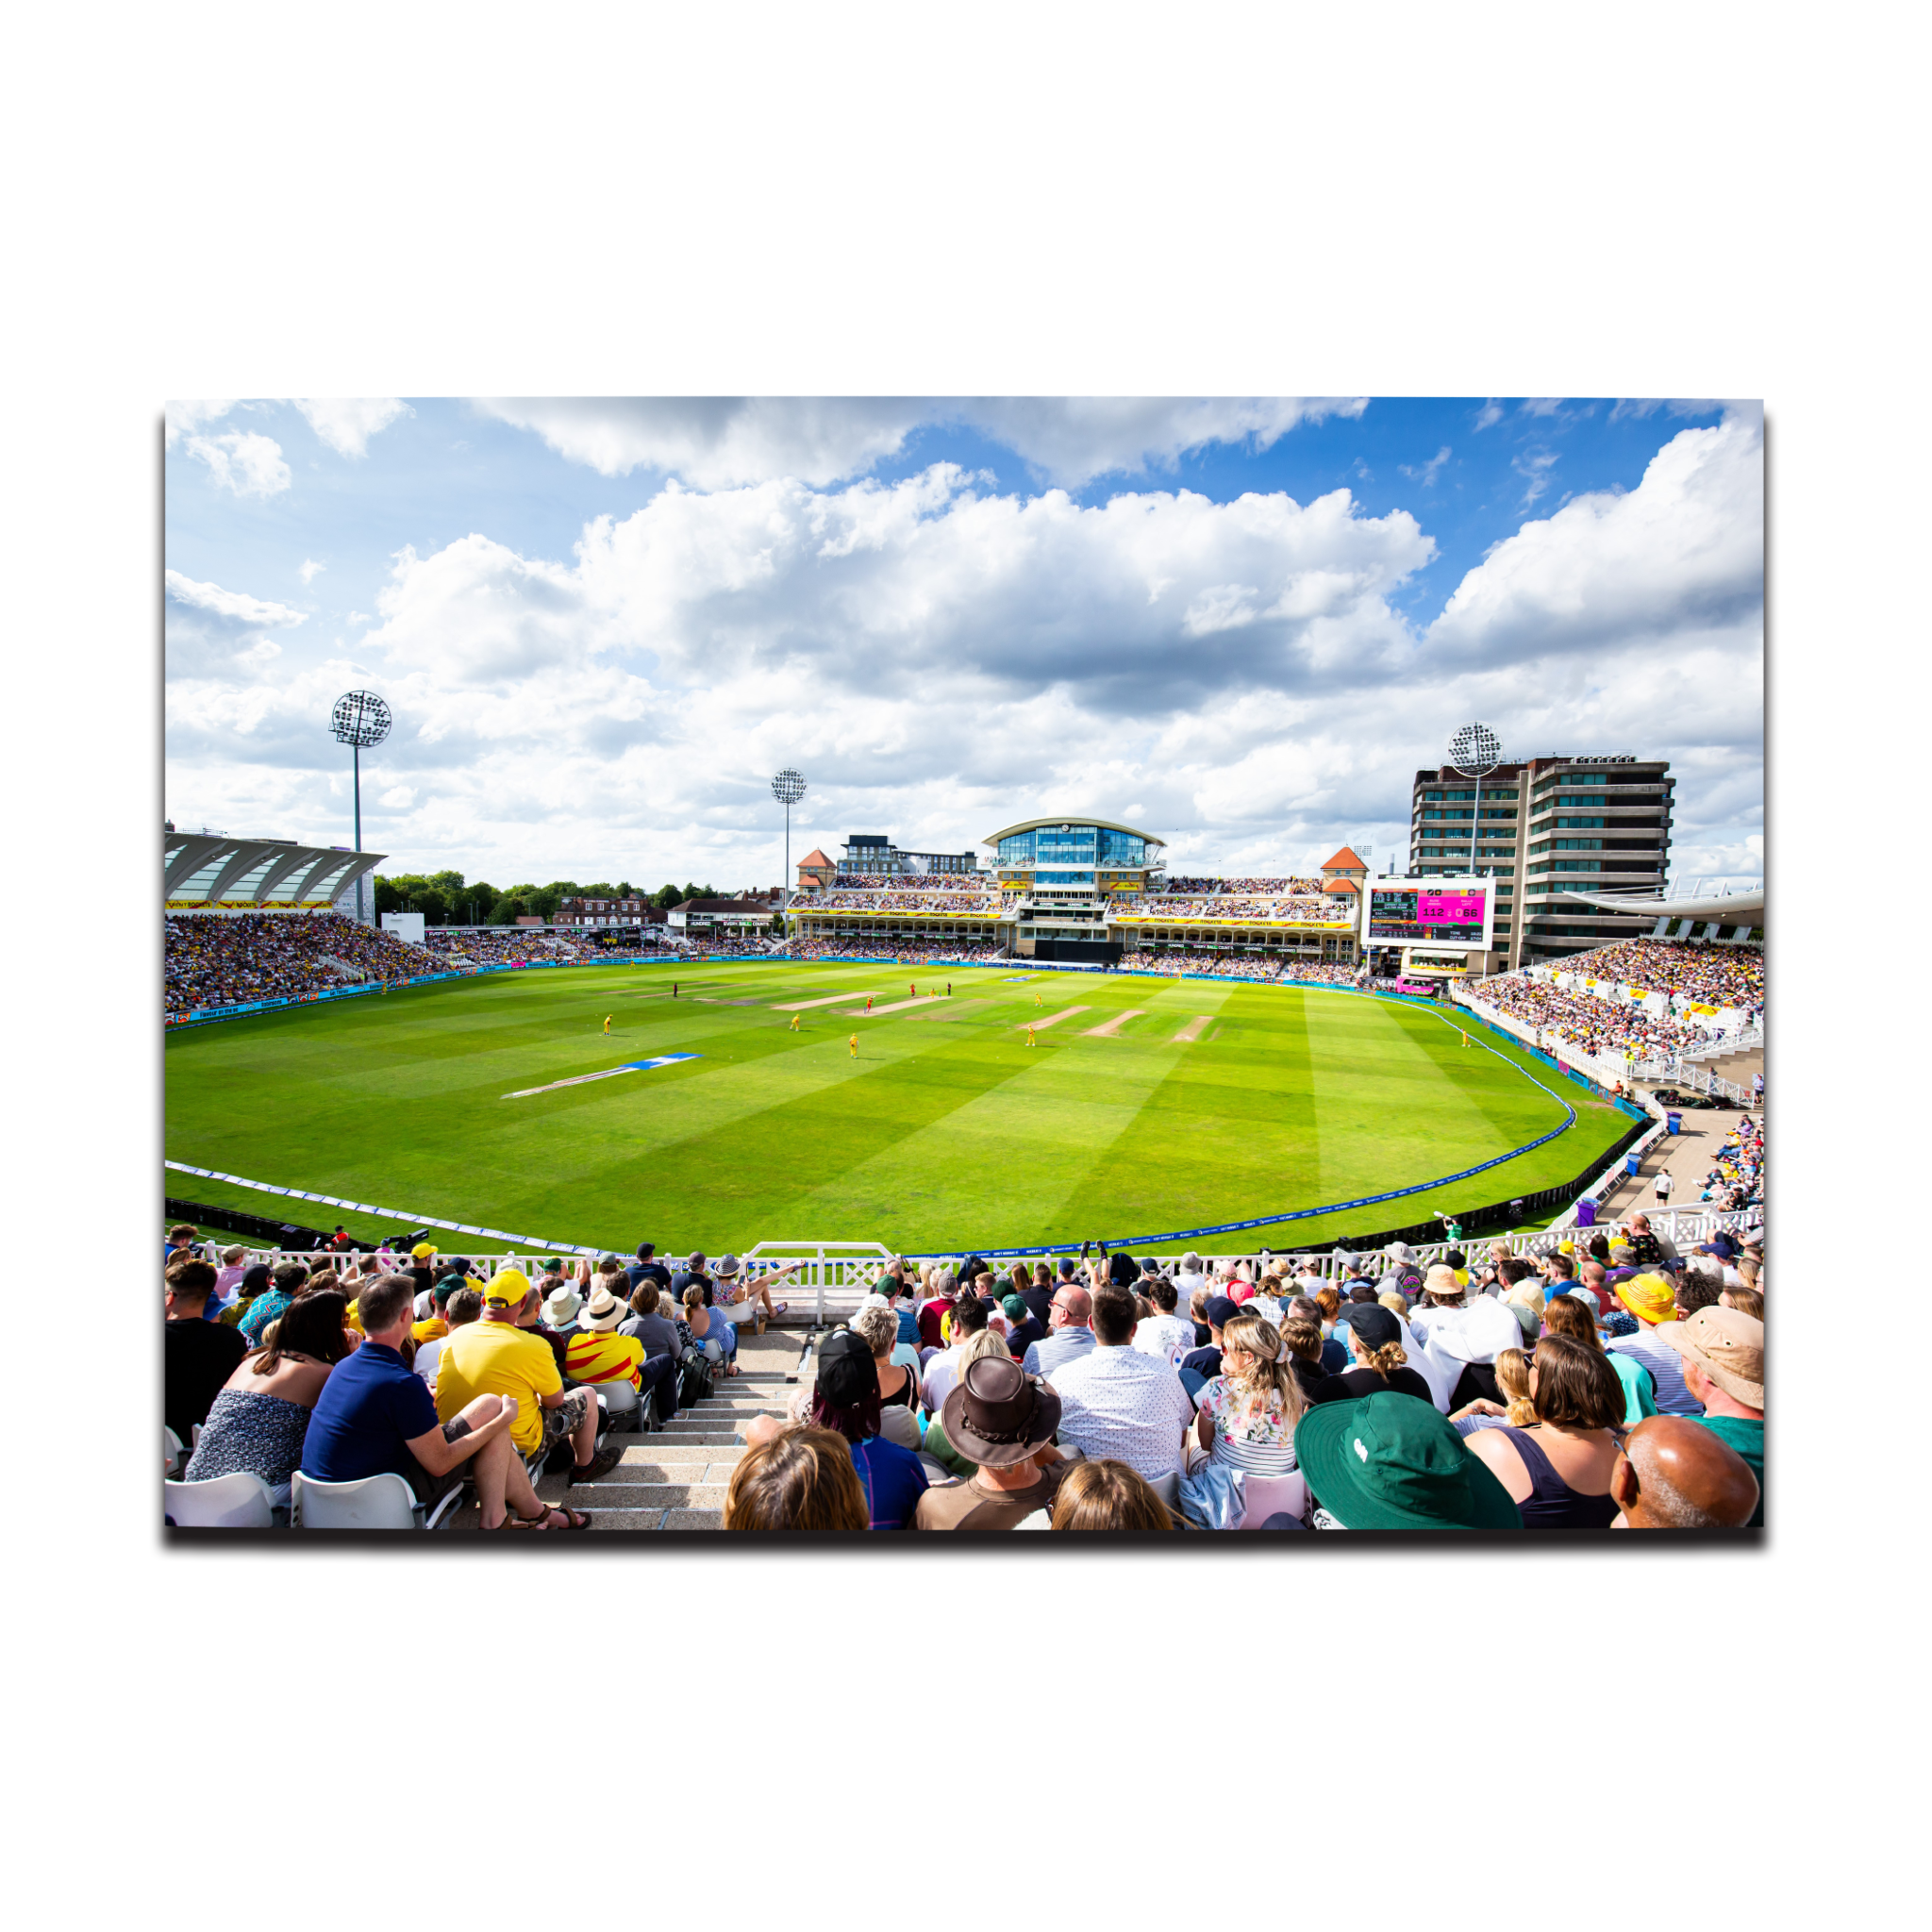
(694, 1378)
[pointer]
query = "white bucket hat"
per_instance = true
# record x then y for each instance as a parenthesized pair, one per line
(562, 1306)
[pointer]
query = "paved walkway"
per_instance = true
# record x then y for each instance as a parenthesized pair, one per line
(1687, 1157)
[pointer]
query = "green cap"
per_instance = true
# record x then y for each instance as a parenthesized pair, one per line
(1393, 1462)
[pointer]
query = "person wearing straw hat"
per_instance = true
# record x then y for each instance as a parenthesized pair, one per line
(1392, 1461)
(1001, 1418)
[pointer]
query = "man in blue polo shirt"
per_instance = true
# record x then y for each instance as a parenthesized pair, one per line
(374, 1415)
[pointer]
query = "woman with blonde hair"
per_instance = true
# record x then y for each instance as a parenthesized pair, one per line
(800, 1479)
(987, 1342)
(1518, 1410)
(879, 1328)
(1247, 1413)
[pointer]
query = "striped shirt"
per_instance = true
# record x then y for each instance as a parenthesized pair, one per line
(603, 1356)
(1062, 1346)
(1666, 1367)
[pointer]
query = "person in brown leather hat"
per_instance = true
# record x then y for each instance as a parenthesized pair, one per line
(1004, 1421)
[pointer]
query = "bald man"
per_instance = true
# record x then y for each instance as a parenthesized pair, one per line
(1674, 1473)
(1070, 1320)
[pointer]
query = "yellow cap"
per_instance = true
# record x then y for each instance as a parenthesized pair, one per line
(507, 1290)
(1566, 1247)
(422, 1251)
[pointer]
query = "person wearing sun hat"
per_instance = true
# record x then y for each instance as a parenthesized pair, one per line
(561, 1308)
(1651, 1299)
(597, 1353)
(1723, 1352)
(1002, 1420)
(1392, 1461)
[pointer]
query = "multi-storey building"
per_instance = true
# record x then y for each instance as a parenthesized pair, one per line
(1549, 826)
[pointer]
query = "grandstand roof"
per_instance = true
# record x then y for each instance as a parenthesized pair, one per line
(210, 870)
(1344, 860)
(1745, 908)
(1070, 818)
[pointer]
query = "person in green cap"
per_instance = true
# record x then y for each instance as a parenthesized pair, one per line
(1392, 1461)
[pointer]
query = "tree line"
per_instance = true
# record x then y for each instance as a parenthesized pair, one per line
(447, 898)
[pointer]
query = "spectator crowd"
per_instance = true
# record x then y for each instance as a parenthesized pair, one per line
(1618, 1385)
(220, 960)
(1687, 973)
(1612, 1382)
(1241, 966)
(1592, 1025)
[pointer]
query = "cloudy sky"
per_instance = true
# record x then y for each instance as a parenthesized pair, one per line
(1242, 625)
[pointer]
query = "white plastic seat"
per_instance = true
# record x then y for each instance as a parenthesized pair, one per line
(376, 1502)
(171, 1449)
(623, 1409)
(239, 1501)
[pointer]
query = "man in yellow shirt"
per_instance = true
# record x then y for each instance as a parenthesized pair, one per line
(853, 1043)
(596, 1353)
(494, 1357)
(607, 1023)
(795, 1023)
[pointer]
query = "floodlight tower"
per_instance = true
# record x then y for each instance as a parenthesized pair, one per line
(1475, 751)
(360, 720)
(787, 788)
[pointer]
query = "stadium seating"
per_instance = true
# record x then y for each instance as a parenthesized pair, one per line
(211, 961)
(240, 1500)
(378, 1502)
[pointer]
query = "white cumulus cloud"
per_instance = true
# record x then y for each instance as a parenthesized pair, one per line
(722, 442)
(1683, 552)
(182, 418)
(348, 423)
(309, 570)
(208, 629)
(244, 462)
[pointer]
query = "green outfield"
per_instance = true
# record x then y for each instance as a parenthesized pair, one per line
(1212, 1102)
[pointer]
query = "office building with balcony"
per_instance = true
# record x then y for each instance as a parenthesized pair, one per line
(1549, 827)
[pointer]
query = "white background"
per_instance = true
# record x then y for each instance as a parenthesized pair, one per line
(1521, 200)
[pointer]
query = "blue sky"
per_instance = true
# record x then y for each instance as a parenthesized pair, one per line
(1241, 623)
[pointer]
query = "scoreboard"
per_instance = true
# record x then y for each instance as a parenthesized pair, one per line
(1412, 912)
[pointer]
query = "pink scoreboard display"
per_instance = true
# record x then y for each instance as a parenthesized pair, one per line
(1449, 909)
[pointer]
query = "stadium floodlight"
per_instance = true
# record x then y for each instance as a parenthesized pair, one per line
(360, 720)
(787, 788)
(1475, 751)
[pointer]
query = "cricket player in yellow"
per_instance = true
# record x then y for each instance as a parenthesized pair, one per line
(607, 1023)
(1029, 1035)
(1037, 1001)
(853, 1043)
(1465, 1039)
(795, 1023)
